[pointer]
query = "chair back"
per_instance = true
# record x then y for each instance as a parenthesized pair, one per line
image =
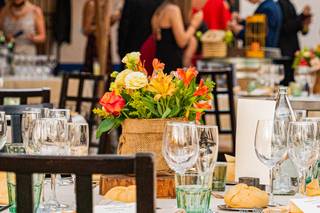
(15, 112)
(24, 94)
(142, 165)
(222, 75)
(79, 99)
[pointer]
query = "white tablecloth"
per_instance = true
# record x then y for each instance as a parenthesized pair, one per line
(66, 195)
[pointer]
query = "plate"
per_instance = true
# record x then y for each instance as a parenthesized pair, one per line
(226, 208)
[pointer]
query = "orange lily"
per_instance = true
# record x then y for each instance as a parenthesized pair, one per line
(198, 117)
(187, 76)
(202, 89)
(203, 105)
(157, 65)
(141, 68)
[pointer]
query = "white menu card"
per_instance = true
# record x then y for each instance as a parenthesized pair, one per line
(248, 113)
(308, 205)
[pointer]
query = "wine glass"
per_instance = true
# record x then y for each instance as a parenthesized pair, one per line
(27, 124)
(78, 138)
(270, 147)
(3, 129)
(208, 139)
(303, 148)
(50, 138)
(180, 147)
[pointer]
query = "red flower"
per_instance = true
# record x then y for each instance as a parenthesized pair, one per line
(157, 65)
(112, 103)
(304, 62)
(187, 76)
(202, 89)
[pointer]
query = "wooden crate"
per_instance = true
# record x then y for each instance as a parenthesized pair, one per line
(213, 44)
(165, 184)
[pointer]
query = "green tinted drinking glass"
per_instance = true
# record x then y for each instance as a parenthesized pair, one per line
(193, 191)
(11, 181)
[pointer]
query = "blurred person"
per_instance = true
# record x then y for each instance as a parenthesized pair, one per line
(289, 42)
(135, 26)
(24, 22)
(174, 29)
(216, 14)
(273, 12)
(89, 30)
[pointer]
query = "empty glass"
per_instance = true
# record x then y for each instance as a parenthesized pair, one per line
(208, 139)
(270, 149)
(3, 129)
(50, 138)
(27, 124)
(303, 148)
(78, 138)
(180, 146)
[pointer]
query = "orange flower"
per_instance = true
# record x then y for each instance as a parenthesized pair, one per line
(202, 89)
(112, 103)
(187, 76)
(141, 68)
(157, 65)
(203, 105)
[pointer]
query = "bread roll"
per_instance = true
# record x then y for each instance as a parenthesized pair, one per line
(122, 194)
(3, 189)
(244, 196)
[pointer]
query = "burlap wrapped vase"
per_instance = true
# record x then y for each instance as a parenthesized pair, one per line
(144, 135)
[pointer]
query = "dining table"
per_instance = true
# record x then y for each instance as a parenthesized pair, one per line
(66, 195)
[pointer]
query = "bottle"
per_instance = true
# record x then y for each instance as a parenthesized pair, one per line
(285, 174)
(10, 47)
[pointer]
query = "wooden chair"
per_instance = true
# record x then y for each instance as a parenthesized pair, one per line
(222, 75)
(15, 112)
(24, 94)
(79, 99)
(83, 167)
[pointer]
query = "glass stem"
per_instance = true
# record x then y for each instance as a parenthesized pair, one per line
(53, 187)
(271, 187)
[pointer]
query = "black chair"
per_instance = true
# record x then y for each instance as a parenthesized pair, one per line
(222, 75)
(79, 99)
(83, 167)
(15, 112)
(24, 94)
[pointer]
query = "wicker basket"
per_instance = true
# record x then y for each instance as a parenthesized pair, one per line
(213, 45)
(144, 135)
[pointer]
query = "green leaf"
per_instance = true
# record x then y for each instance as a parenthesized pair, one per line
(166, 113)
(159, 108)
(105, 126)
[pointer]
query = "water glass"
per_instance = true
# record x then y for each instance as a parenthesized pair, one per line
(219, 177)
(193, 191)
(180, 146)
(303, 148)
(208, 139)
(11, 181)
(3, 129)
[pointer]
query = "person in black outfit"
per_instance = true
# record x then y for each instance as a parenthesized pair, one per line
(288, 41)
(135, 26)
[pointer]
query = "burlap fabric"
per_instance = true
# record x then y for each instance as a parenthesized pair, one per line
(144, 135)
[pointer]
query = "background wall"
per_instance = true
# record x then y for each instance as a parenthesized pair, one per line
(313, 38)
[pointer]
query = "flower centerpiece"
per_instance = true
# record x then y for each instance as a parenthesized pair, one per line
(307, 60)
(142, 104)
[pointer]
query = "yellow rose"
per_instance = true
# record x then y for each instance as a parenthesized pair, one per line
(136, 80)
(131, 59)
(119, 82)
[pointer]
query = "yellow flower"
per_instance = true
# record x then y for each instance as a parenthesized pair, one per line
(131, 59)
(136, 80)
(162, 85)
(120, 79)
